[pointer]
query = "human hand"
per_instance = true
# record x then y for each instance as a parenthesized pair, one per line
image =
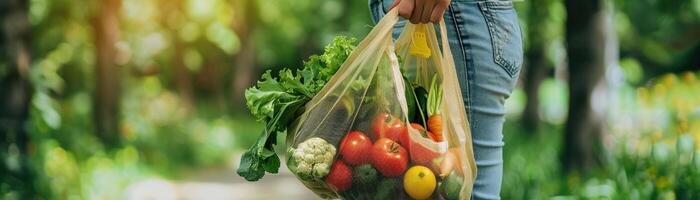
(421, 11)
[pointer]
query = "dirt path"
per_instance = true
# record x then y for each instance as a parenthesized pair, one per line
(220, 184)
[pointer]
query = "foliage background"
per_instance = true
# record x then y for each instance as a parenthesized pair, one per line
(184, 65)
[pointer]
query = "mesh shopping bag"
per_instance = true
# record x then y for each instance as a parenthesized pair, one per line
(362, 135)
(429, 65)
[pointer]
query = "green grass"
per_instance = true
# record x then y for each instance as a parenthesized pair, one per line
(531, 164)
(654, 152)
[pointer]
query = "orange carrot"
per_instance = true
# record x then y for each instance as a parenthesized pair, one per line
(434, 105)
(435, 126)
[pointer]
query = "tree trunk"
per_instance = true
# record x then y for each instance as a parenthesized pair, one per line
(586, 33)
(181, 75)
(244, 61)
(15, 95)
(536, 72)
(107, 91)
(537, 64)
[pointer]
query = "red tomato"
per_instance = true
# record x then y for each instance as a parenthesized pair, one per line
(389, 157)
(340, 177)
(422, 153)
(425, 133)
(417, 126)
(389, 126)
(355, 147)
(434, 137)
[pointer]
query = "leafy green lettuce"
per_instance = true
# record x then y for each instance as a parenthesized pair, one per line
(276, 100)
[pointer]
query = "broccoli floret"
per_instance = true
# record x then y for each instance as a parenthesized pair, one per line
(388, 189)
(365, 175)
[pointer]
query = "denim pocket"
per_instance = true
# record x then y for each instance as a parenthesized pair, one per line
(504, 27)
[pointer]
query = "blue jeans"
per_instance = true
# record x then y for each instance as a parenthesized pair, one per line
(486, 42)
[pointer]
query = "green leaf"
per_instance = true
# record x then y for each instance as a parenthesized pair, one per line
(434, 97)
(410, 98)
(272, 164)
(277, 100)
(247, 169)
(421, 96)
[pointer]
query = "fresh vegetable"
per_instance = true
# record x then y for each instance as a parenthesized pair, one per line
(419, 182)
(327, 118)
(312, 158)
(276, 102)
(388, 126)
(364, 176)
(434, 106)
(417, 127)
(423, 132)
(435, 127)
(451, 186)
(423, 153)
(340, 177)
(420, 129)
(433, 136)
(364, 183)
(389, 157)
(451, 162)
(355, 147)
(421, 96)
(388, 189)
(411, 102)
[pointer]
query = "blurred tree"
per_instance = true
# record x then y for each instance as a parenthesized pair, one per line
(107, 73)
(586, 36)
(537, 63)
(282, 33)
(650, 34)
(15, 96)
(183, 79)
(181, 75)
(245, 22)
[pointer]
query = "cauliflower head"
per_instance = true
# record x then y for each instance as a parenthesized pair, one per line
(313, 158)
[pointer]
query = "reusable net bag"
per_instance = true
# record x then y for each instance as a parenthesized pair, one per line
(363, 137)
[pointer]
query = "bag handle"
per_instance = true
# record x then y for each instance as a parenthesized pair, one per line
(445, 42)
(453, 105)
(393, 16)
(388, 22)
